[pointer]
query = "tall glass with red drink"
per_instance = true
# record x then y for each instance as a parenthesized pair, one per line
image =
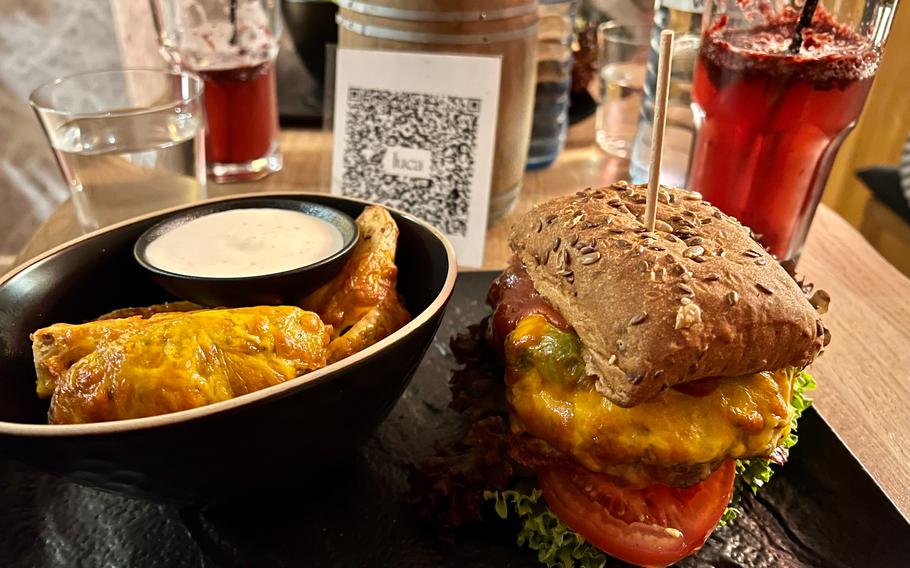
(232, 45)
(772, 109)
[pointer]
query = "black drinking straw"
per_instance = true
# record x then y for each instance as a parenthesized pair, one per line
(233, 17)
(805, 20)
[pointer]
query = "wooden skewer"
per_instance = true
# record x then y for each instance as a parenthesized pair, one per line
(706, 16)
(660, 123)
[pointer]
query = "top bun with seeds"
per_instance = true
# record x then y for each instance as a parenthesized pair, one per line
(696, 297)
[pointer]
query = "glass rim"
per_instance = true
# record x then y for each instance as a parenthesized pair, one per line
(34, 98)
(604, 28)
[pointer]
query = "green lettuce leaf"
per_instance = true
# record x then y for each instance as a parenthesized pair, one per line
(557, 545)
(753, 474)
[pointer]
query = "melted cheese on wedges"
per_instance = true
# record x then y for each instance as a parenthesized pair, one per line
(742, 417)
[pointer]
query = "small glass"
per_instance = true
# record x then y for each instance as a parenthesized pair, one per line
(622, 60)
(232, 45)
(128, 142)
(771, 120)
(555, 28)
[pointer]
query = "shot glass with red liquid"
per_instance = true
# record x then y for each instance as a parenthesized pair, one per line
(772, 106)
(232, 45)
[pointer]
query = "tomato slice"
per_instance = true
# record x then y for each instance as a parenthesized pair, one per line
(654, 526)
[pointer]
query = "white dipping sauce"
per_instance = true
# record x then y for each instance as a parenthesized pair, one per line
(244, 242)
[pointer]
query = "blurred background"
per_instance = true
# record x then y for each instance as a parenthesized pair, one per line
(44, 39)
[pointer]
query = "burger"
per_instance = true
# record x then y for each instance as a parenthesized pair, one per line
(629, 383)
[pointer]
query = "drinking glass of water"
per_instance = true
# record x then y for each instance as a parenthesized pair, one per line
(128, 141)
(621, 67)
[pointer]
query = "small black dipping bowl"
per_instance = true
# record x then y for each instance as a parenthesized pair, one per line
(278, 288)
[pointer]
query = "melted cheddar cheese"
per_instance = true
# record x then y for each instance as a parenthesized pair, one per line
(742, 417)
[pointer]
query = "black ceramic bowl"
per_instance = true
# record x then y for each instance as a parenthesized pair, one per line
(286, 287)
(272, 440)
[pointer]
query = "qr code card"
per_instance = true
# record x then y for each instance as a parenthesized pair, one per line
(416, 131)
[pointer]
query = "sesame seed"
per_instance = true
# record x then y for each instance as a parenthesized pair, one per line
(638, 318)
(663, 226)
(732, 297)
(764, 288)
(590, 258)
(694, 251)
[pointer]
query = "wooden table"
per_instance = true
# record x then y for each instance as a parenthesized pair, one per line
(864, 377)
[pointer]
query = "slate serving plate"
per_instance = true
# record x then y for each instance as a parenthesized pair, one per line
(822, 509)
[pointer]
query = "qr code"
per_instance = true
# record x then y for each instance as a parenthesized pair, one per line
(412, 151)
